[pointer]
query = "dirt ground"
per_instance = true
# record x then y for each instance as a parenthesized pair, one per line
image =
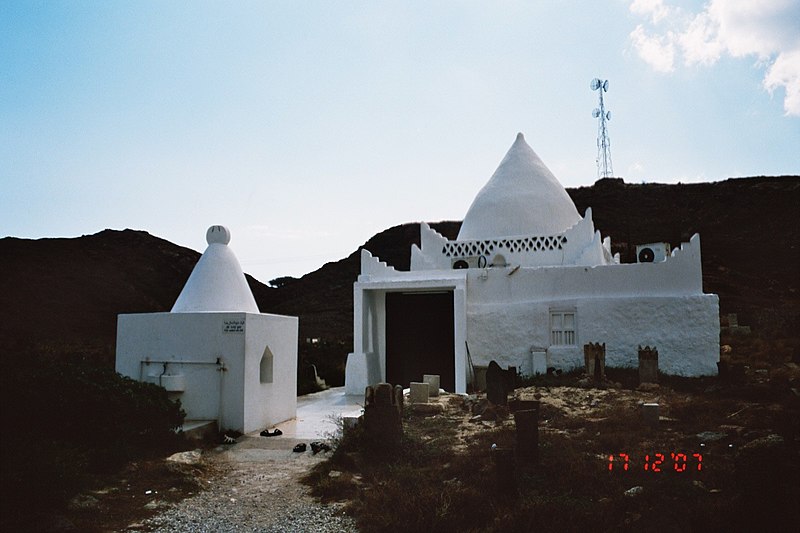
(707, 430)
(250, 485)
(722, 453)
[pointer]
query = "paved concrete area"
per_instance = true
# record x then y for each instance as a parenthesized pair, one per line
(317, 419)
(317, 414)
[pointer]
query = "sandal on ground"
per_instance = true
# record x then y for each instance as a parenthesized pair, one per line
(317, 447)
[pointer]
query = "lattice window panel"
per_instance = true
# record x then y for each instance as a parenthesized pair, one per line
(485, 248)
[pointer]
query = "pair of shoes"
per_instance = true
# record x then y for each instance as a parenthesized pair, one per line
(273, 433)
(300, 448)
(317, 447)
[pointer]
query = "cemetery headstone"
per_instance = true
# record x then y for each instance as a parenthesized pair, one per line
(594, 355)
(650, 414)
(496, 391)
(420, 392)
(433, 381)
(382, 420)
(648, 364)
(505, 475)
(527, 424)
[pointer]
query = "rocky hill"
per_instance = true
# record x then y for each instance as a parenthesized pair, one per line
(63, 295)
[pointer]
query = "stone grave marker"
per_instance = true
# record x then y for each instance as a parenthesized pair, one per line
(433, 381)
(496, 391)
(648, 364)
(420, 392)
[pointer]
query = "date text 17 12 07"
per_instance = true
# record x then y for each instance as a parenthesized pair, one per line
(657, 462)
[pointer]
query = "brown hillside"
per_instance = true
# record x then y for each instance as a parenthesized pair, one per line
(63, 295)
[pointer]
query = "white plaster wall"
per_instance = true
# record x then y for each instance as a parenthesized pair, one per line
(679, 275)
(659, 304)
(181, 338)
(684, 329)
(186, 339)
(506, 333)
(378, 332)
(267, 404)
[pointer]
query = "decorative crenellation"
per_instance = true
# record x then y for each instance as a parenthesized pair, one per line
(372, 265)
(487, 247)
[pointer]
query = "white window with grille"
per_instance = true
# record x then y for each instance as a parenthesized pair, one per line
(562, 328)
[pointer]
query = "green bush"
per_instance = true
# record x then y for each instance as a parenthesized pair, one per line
(68, 421)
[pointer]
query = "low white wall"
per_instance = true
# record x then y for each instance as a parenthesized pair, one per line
(677, 276)
(684, 329)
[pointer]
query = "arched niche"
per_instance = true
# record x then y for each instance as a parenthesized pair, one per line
(265, 366)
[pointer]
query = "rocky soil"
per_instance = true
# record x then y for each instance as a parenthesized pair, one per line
(255, 489)
(747, 431)
(722, 454)
(250, 486)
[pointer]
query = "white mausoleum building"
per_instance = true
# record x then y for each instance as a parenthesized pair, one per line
(214, 350)
(527, 283)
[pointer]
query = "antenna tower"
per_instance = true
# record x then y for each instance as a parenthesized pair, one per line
(604, 168)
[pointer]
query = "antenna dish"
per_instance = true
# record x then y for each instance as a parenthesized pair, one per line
(595, 113)
(605, 86)
(595, 84)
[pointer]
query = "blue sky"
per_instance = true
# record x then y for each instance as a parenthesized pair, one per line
(307, 127)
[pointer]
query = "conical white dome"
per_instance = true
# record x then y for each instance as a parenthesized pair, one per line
(521, 198)
(217, 283)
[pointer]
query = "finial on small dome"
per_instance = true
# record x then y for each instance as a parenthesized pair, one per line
(218, 235)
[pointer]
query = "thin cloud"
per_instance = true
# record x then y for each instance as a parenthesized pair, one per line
(785, 72)
(657, 51)
(655, 9)
(767, 31)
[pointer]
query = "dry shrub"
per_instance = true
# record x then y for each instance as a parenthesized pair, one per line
(425, 486)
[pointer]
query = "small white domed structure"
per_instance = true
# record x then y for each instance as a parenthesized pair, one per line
(228, 363)
(521, 198)
(217, 283)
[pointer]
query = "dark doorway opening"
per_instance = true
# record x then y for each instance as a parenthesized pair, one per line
(420, 338)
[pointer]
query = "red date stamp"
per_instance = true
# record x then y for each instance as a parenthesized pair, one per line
(657, 462)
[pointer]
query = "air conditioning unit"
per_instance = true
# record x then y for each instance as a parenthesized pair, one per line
(473, 261)
(654, 252)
